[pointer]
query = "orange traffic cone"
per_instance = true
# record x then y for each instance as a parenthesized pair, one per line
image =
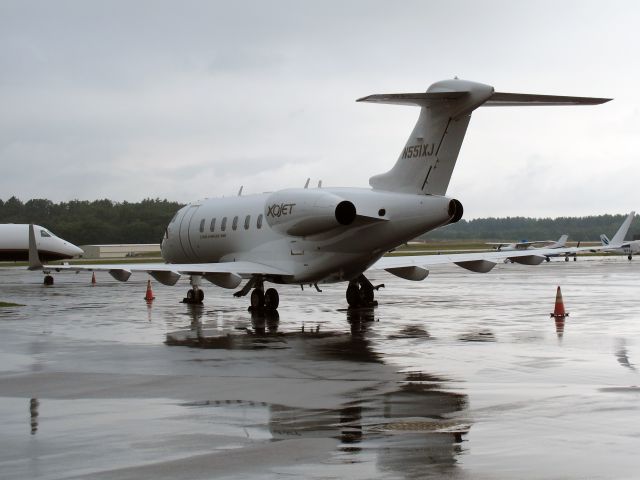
(558, 311)
(93, 278)
(149, 295)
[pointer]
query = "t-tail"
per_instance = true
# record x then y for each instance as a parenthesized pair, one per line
(618, 238)
(561, 243)
(427, 161)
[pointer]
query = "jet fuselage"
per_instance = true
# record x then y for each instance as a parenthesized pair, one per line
(320, 235)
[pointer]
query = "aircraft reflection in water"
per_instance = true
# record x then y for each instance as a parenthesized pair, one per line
(411, 424)
(34, 405)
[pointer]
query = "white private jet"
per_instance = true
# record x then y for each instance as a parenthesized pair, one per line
(15, 241)
(322, 235)
(617, 244)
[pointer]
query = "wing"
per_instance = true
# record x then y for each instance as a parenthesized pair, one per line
(413, 267)
(224, 274)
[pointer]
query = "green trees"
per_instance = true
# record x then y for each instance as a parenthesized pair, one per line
(521, 228)
(100, 221)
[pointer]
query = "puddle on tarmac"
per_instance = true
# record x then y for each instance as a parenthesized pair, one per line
(460, 376)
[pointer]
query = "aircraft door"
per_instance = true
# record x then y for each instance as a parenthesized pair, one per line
(184, 229)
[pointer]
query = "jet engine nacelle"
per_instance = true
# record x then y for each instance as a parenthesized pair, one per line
(303, 212)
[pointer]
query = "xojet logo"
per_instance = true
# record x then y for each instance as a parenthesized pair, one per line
(277, 210)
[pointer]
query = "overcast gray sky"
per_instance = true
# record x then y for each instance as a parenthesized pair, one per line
(190, 99)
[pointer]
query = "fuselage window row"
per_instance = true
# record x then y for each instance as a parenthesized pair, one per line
(234, 225)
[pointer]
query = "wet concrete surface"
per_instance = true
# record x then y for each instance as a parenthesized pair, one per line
(460, 376)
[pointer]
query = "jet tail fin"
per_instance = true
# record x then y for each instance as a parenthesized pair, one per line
(618, 238)
(604, 240)
(34, 258)
(562, 242)
(426, 163)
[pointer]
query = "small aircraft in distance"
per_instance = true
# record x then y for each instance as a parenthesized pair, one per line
(15, 242)
(618, 244)
(525, 244)
(308, 236)
(529, 245)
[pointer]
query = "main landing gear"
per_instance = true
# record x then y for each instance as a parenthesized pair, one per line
(360, 293)
(48, 280)
(261, 299)
(195, 295)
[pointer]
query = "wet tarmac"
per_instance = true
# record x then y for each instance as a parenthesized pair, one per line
(460, 376)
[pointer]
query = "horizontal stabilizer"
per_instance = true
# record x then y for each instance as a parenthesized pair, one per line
(497, 99)
(420, 99)
(500, 99)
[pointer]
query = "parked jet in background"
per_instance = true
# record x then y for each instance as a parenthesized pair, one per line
(16, 240)
(525, 245)
(309, 236)
(14, 244)
(617, 244)
(561, 243)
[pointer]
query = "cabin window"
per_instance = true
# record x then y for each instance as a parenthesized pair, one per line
(223, 226)
(259, 221)
(44, 233)
(247, 221)
(202, 225)
(234, 225)
(212, 227)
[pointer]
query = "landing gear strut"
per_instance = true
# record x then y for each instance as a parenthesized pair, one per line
(360, 293)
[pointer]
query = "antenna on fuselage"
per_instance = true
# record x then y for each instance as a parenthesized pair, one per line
(306, 185)
(240, 191)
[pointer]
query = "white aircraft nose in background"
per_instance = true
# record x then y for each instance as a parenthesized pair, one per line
(14, 243)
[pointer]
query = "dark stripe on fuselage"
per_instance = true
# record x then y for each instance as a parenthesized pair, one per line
(23, 255)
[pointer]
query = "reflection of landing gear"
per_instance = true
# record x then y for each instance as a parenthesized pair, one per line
(360, 293)
(48, 280)
(265, 321)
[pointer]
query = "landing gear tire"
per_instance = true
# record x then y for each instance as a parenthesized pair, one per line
(547, 259)
(630, 257)
(566, 259)
(48, 280)
(366, 296)
(257, 299)
(353, 295)
(575, 259)
(194, 296)
(271, 299)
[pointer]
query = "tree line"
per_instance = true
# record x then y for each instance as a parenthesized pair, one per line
(103, 221)
(85, 222)
(522, 228)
